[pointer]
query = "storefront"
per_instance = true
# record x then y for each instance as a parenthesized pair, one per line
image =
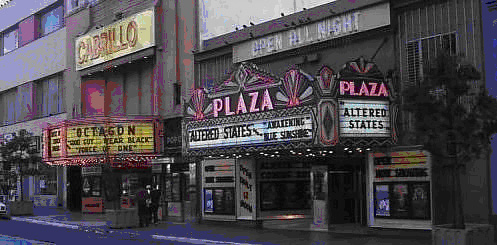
(114, 156)
(401, 183)
(291, 147)
(288, 133)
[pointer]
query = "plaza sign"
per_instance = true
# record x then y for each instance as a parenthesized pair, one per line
(118, 39)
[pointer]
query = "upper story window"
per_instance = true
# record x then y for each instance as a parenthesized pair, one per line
(51, 20)
(422, 51)
(76, 4)
(10, 40)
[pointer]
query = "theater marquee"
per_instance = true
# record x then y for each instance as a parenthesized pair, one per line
(363, 118)
(285, 129)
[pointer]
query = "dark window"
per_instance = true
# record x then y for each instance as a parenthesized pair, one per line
(51, 20)
(422, 51)
(177, 93)
(213, 71)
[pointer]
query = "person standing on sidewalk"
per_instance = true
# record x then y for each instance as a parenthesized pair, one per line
(143, 208)
(155, 197)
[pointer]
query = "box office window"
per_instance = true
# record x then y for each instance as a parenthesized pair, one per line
(285, 185)
(402, 200)
(219, 200)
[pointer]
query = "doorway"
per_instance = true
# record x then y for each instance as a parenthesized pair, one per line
(74, 188)
(346, 194)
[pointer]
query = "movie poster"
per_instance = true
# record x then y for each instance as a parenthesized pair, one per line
(209, 202)
(382, 199)
(400, 201)
(420, 201)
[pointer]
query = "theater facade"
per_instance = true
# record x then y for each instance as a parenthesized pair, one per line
(299, 122)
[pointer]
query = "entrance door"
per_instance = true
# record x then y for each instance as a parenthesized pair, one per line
(74, 191)
(345, 195)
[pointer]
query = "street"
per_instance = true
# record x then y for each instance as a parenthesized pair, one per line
(56, 232)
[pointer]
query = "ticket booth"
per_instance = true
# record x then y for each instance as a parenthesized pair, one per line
(319, 185)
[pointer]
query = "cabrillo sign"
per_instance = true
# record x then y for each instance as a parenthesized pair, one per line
(118, 39)
(331, 28)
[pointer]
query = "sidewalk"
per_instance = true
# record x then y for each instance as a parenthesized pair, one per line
(224, 233)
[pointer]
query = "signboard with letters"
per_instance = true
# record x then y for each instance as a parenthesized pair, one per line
(364, 118)
(331, 28)
(290, 128)
(117, 138)
(246, 193)
(77, 140)
(401, 166)
(115, 40)
(254, 108)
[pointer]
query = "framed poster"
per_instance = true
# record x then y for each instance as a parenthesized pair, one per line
(420, 201)
(382, 200)
(400, 200)
(209, 201)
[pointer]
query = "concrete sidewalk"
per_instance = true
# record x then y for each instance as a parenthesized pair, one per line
(221, 232)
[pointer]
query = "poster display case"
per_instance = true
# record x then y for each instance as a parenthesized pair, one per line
(400, 182)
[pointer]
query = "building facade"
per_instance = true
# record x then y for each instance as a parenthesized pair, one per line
(129, 64)
(312, 83)
(422, 31)
(32, 85)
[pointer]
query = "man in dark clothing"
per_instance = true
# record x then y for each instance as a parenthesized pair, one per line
(155, 196)
(143, 209)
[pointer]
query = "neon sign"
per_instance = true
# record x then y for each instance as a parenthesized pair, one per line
(118, 39)
(265, 104)
(365, 89)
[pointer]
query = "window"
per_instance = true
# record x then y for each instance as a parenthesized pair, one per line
(420, 52)
(48, 96)
(213, 71)
(177, 93)
(403, 200)
(10, 40)
(77, 4)
(52, 20)
(10, 101)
